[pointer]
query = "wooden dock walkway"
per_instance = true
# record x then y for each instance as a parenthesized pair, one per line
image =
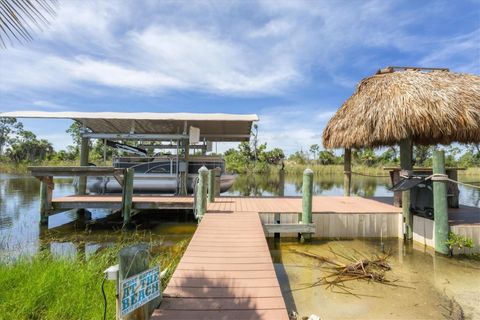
(225, 273)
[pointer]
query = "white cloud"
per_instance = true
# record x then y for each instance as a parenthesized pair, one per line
(227, 48)
(294, 127)
(461, 53)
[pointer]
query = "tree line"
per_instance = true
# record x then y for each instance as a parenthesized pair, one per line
(20, 145)
(23, 146)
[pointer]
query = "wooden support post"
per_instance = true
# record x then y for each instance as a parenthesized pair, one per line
(84, 150)
(452, 189)
(46, 190)
(347, 172)
(307, 191)
(406, 164)
(281, 182)
(202, 192)
(127, 195)
(218, 173)
(133, 260)
(440, 208)
(211, 185)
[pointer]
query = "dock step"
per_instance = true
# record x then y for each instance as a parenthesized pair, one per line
(289, 227)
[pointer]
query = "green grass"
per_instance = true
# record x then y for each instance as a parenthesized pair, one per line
(22, 168)
(47, 287)
(296, 169)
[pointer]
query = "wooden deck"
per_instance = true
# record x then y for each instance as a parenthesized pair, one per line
(225, 273)
(115, 202)
(321, 204)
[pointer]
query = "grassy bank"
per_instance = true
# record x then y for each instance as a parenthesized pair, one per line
(48, 287)
(22, 168)
(295, 169)
(291, 168)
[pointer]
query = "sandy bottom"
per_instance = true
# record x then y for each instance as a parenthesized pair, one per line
(428, 286)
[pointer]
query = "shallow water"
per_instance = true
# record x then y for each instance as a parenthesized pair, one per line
(424, 285)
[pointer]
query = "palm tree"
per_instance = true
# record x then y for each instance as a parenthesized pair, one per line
(19, 18)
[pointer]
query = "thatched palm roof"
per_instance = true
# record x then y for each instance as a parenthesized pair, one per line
(429, 107)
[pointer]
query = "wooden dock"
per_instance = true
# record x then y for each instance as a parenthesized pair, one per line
(139, 202)
(225, 273)
(321, 204)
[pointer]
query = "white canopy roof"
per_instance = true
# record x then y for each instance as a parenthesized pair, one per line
(213, 126)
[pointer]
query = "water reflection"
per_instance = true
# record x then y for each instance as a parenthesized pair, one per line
(20, 232)
(328, 184)
(19, 204)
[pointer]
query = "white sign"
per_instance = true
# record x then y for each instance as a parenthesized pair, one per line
(194, 135)
(139, 289)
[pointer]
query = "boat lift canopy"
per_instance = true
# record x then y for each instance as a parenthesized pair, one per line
(153, 126)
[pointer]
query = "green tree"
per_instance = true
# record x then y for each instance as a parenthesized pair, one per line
(25, 147)
(314, 150)
(365, 156)
(451, 154)
(9, 127)
(326, 157)
(389, 156)
(298, 157)
(422, 155)
(274, 156)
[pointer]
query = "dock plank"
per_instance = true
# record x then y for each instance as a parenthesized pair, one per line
(225, 276)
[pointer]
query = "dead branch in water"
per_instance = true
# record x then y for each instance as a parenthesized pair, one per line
(355, 267)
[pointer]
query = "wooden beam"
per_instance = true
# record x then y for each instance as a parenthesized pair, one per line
(134, 136)
(127, 196)
(406, 164)
(440, 209)
(307, 190)
(202, 192)
(46, 190)
(84, 151)
(67, 171)
(290, 228)
(211, 186)
(347, 172)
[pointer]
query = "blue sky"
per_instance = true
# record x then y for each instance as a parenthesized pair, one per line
(293, 62)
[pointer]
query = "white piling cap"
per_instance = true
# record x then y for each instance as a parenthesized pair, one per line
(308, 171)
(203, 169)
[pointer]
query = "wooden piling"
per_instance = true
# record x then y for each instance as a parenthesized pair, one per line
(133, 260)
(281, 182)
(218, 173)
(347, 172)
(127, 195)
(307, 192)
(46, 190)
(84, 151)
(440, 207)
(211, 185)
(202, 192)
(406, 164)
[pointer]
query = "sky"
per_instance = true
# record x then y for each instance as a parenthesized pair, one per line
(291, 62)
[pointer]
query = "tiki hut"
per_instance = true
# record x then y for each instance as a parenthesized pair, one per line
(406, 106)
(427, 107)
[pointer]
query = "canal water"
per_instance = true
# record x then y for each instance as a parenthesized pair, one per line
(424, 286)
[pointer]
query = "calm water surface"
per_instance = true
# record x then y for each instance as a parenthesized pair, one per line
(432, 287)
